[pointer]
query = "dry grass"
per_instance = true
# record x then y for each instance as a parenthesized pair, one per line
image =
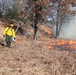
(31, 57)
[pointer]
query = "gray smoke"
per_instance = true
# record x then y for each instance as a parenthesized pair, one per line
(68, 30)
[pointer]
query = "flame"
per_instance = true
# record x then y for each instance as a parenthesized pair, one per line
(61, 42)
(72, 42)
(48, 31)
(63, 45)
(19, 40)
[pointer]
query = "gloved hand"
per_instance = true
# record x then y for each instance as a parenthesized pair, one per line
(3, 35)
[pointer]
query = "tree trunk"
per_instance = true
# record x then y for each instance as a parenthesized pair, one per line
(36, 25)
(57, 22)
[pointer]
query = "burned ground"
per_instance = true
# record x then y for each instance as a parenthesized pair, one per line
(34, 57)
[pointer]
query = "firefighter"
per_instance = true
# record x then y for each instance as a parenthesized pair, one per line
(9, 33)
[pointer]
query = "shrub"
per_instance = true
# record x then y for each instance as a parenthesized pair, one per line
(12, 13)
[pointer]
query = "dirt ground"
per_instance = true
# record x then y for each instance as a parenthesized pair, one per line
(33, 57)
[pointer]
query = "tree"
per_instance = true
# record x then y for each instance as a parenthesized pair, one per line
(3, 7)
(33, 12)
(58, 12)
(14, 11)
(56, 9)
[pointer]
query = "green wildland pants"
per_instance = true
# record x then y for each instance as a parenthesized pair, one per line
(8, 40)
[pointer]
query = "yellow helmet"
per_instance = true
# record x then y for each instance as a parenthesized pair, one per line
(11, 25)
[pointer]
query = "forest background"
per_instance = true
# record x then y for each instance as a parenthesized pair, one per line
(55, 13)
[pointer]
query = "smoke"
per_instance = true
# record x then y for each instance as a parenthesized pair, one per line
(68, 30)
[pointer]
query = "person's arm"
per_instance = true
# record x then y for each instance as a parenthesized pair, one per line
(5, 31)
(14, 34)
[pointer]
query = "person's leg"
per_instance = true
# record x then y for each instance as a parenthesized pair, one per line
(9, 41)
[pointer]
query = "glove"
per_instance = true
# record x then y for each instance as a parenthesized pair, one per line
(3, 35)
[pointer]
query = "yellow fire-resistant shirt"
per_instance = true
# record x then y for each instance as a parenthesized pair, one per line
(9, 31)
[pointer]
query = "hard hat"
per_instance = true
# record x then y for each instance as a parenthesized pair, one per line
(11, 25)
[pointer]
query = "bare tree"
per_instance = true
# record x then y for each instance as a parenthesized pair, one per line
(56, 9)
(58, 13)
(32, 11)
(3, 7)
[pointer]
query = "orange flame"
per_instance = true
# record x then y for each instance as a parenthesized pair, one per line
(19, 40)
(63, 44)
(48, 31)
